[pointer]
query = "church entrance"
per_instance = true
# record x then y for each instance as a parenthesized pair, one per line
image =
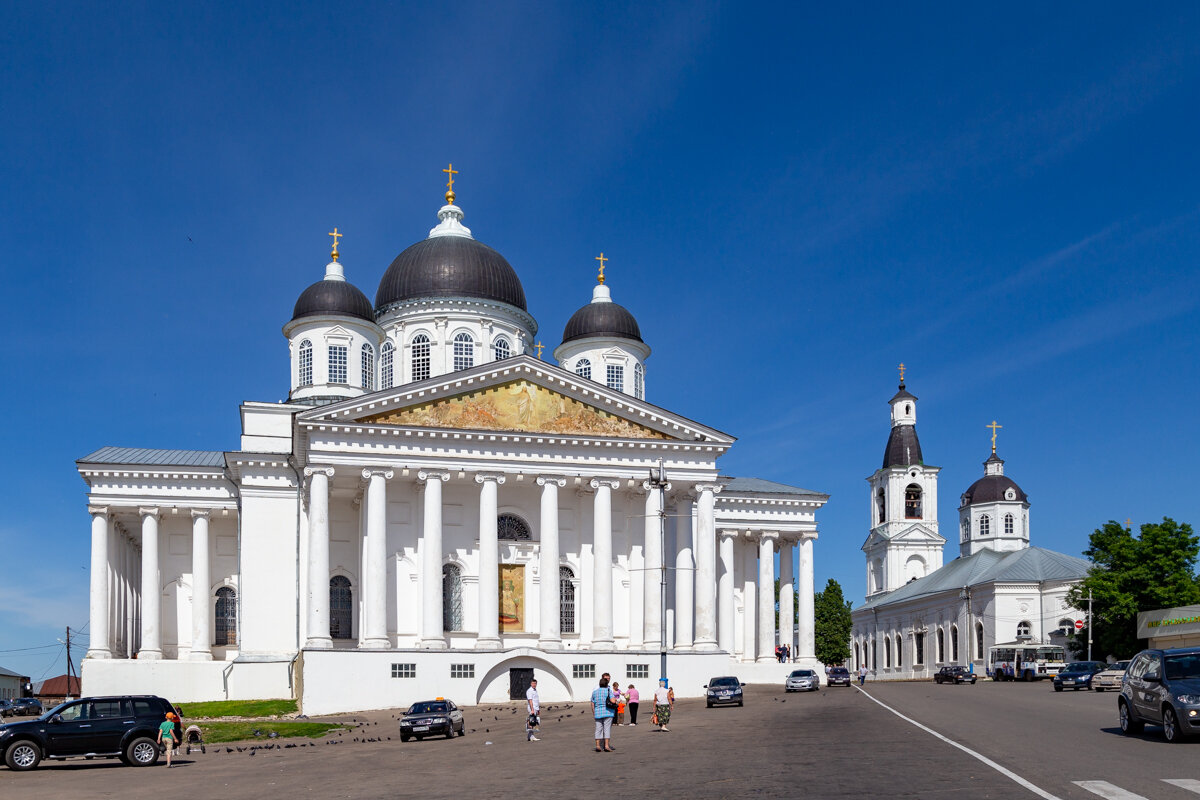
(518, 682)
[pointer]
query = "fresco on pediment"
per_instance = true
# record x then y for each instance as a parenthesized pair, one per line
(520, 406)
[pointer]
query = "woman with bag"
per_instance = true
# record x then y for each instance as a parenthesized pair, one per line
(664, 698)
(603, 710)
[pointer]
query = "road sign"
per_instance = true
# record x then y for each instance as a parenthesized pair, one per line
(1078, 624)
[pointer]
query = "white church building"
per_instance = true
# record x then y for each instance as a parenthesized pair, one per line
(921, 614)
(436, 511)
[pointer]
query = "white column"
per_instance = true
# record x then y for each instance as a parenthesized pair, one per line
(151, 599)
(201, 579)
(489, 562)
(808, 644)
(98, 607)
(548, 553)
(725, 610)
(787, 611)
(602, 599)
(685, 574)
(114, 590)
(652, 547)
(432, 627)
(766, 596)
(706, 568)
(318, 557)
(135, 587)
(375, 557)
(749, 595)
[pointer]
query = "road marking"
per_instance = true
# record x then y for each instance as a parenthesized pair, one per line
(1184, 783)
(1107, 790)
(1002, 770)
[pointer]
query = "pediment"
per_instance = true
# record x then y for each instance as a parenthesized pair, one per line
(918, 534)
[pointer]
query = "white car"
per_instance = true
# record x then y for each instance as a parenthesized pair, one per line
(1111, 677)
(802, 680)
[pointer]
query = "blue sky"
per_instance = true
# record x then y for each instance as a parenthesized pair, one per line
(794, 199)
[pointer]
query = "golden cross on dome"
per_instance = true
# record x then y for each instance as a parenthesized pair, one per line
(601, 259)
(451, 172)
(994, 428)
(1128, 522)
(901, 372)
(540, 348)
(335, 236)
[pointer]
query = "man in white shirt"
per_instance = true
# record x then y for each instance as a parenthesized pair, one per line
(535, 707)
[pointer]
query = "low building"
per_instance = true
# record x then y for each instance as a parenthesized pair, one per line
(12, 684)
(1170, 627)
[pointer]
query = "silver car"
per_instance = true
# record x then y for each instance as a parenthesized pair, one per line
(802, 680)
(1111, 677)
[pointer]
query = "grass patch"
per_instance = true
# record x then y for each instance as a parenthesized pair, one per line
(218, 732)
(238, 708)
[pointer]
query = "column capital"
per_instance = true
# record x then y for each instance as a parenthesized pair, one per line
(483, 477)
(729, 533)
(700, 488)
(646, 486)
(557, 480)
(310, 471)
(611, 483)
(768, 536)
(427, 475)
(98, 511)
(148, 512)
(369, 473)
(201, 513)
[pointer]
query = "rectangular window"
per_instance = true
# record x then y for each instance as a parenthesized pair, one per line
(583, 670)
(616, 377)
(338, 361)
(919, 640)
(404, 670)
(462, 670)
(637, 671)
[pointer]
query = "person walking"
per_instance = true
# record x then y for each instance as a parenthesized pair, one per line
(619, 719)
(534, 706)
(631, 698)
(664, 698)
(166, 734)
(862, 674)
(602, 713)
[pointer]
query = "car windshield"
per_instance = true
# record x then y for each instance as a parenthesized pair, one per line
(724, 682)
(802, 673)
(1119, 666)
(838, 670)
(427, 708)
(1078, 666)
(1183, 667)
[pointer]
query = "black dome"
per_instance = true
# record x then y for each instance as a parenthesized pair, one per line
(991, 488)
(450, 266)
(333, 297)
(602, 319)
(903, 447)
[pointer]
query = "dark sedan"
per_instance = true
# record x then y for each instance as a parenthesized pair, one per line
(432, 718)
(26, 707)
(954, 674)
(723, 691)
(838, 676)
(1078, 675)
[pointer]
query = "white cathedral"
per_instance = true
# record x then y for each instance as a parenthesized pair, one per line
(436, 511)
(921, 614)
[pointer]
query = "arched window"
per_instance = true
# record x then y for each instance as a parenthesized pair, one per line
(954, 643)
(887, 652)
(639, 381)
(616, 377)
(1024, 629)
(979, 640)
(341, 607)
(420, 357)
(512, 528)
(368, 367)
(464, 351)
(501, 348)
(985, 525)
(899, 651)
(452, 606)
(912, 502)
(881, 505)
(305, 363)
(583, 368)
(566, 600)
(1066, 626)
(941, 645)
(339, 359)
(386, 362)
(226, 618)
(1008, 524)
(857, 660)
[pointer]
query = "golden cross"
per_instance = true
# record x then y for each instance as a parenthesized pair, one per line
(994, 428)
(335, 236)
(451, 172)
(902, 372)
(1128, 522)
(539, 349)
(601, 259)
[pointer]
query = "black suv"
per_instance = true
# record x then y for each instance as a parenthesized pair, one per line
(954, 674)
(100, 727)
(1162, 687)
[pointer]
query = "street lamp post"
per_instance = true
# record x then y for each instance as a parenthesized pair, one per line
(658, 480)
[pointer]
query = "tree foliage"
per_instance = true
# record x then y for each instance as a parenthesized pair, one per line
(831, 612)
(1129, 574)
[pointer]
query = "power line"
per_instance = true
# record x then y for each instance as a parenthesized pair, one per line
(26, 649)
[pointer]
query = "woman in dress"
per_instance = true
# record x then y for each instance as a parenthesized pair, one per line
(664, 698)
(603, 715)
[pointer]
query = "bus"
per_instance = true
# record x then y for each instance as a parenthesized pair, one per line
(1024, 661)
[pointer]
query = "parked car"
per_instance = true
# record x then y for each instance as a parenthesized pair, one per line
(838, 676)
(1110, 677)
(1077, 675)
(1162, 687)
(26, 707)
(726, 690)
(5, 707)
(91, 727)
(432, 718)
(954, 674)
(802, 680)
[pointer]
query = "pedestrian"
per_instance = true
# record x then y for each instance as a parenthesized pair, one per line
(631, 698)
(619, 719)
(787, 653)
(664, 698)
(862, 674)
(166, 734)
(602, 713)
(534, 706)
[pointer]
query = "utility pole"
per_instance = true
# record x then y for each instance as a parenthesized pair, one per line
(70, 663)
(658, 480)
(1089, 624)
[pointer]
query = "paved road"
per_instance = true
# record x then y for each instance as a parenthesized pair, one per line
(836, 743)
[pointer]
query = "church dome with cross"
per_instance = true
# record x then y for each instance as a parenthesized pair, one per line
(994, 512)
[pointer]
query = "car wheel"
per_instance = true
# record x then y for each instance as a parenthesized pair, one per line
(1098, 688)
(1058, 687)
(1170, 726)
(450, 731)
(141, 752)
(463, 730)
(739, 703)
(405, 738)
(22, 756)
(1130, 725)
(709, 705)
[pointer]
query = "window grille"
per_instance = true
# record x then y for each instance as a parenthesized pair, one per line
(420, 357)
(1008, 524)
(912, 502)
(385, 365)
(583, 368)
(306, 363)
(887, 653)
(512, 528)
(633, 671)
(882, 505)
(462, 670)
(341, 608)
(368, 367)
(899, 652)
(464, 351)
(452, 591)
(985, 525)
(979, 640)
(583, 670)
(501, 349)
(639, 381)
(954, 643)
(616, 377)
(226, 617)
(919, 641)
(338, 363)
(1024, 628)
(404, 670)
(566, 600)
(941, 646)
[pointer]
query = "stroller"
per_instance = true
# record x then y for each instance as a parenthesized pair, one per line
(192, 737)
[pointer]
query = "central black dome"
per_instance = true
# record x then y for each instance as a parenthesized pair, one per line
(602, 319)
(450, 266)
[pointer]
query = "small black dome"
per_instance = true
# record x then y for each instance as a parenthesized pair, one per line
(991, 488)
(450, 266)
(327, 297)
(602, 319)
(903, 447)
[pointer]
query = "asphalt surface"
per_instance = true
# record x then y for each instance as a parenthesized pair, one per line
(835, 743)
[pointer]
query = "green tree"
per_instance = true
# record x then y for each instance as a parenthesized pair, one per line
(1130, 574)
(831, 612)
